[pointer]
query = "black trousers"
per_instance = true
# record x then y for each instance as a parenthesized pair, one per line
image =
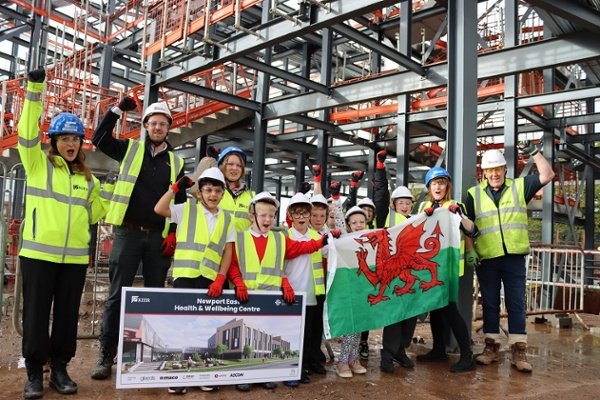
(397, 336)
(309, 341)
(316, 334)
(44, 284)
(200, 282)
(450, 315)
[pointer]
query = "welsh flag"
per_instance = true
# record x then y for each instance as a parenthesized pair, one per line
(382, 276)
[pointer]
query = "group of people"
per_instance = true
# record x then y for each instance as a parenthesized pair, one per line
(227, 234)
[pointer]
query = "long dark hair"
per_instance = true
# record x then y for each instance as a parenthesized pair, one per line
(77, 166)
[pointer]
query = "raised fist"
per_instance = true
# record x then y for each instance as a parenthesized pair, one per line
(381, 155)
(212, 151)
(334, 188)
(37, 75)
(528, 147)
(357, 176)
(127, 104)
(316, 170)
(304, 187)
(182, 184)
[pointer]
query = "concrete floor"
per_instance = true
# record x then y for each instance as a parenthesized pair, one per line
(566, 366)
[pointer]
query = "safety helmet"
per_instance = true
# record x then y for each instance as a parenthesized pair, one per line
(436, 172)
(366, 202)
(354, 210)
(212, 174)
(66, 124)
(318, 199)
(402, 192)
(157, 108)
(231, 150)
(299, 198)
(492, 159)
(265, 197)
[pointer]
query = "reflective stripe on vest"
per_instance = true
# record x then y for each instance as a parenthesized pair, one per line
(238, 207)
(128, 174)
(257, 274)
(316, 260)
(197, 254)
(505, 223)
(394, 218)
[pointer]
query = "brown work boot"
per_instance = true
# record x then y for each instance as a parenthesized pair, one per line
(490, 353)
(519, 357)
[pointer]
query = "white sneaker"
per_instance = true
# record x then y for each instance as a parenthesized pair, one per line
(357, 368)
(343, 370)
(207, 388)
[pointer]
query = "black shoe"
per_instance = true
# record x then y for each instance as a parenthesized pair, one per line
(318, 369)
(60, 380)
(387, 366)
(363, 350)
(269, 385)
(34, 387)
(434, 356)
(464, 364)
(321, 357)
(244, 387)
(304, 378)
(291, 384)
(177, 390)
(102, 369)
(402, 359)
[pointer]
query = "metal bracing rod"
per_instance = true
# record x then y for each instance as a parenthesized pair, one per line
(320, 4)
(275, 11)
(238, 20)
(206, 37)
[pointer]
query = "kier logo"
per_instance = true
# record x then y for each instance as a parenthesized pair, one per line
(138, 299)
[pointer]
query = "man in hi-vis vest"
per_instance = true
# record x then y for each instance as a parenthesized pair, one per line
(498, 206)
(148, 168)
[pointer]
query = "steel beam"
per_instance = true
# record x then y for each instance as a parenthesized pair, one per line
(272, 34)
(573, 11)
(6, 34)
(558, 97)
(198, 90)
(565, 50)
(379, 48)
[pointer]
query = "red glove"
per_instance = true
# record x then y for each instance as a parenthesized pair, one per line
(288, 291)
(429, 210)
(241, 291)
(455, 209)
(381, 155)
(182, 184)
(336, 233)
(355, 178)
(215, 289)
(168, 245)
(317, 172)
(334, 189)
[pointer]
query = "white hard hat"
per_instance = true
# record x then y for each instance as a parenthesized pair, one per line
(157, 108)
(366, 202)
(402, 192)
(319, 199)
(265, 197)
(214, 174)
(354, 210)
(299, 198)
(492, 159)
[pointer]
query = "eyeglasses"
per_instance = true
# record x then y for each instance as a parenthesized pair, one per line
(303, 214)
(160, 124)
(233, 165)
(207, 190)
(68, 139)
(497, 170)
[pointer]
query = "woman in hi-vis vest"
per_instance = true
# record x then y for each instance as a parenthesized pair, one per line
(63, 199)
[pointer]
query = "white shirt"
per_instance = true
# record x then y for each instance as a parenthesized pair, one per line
(211, 219)
(299, 270)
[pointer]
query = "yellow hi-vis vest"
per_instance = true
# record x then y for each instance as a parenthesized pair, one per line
(128, 174)
(461, 262)
(394, 219)
(197, 254)
(59, 206)
(265, 274)
(506, 223)
(316, 260)
(238, 207)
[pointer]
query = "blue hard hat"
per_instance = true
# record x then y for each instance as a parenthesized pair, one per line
(66, 124)
(231, 150)
(436, 172)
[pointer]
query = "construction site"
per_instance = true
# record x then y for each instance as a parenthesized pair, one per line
(295, 83)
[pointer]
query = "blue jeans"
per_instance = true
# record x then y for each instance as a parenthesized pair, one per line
(509, 271)
(130, 247)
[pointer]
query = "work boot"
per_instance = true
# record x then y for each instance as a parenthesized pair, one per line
(402, 359)
(464, 364)
(102, 369)
(519, 357)
(490, 353)
(60, 380)
(34, 387)
(433, 355)
(386, 365)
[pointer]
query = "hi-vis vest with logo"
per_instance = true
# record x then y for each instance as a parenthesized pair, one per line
(316, 260)
(265, 274)
(128, 174)
(238, 207)
(197, 254)
(60, 206)
(506, 223)
(461, 262)
(394, 219)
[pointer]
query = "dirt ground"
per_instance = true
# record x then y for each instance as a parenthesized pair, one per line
(566, 364)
